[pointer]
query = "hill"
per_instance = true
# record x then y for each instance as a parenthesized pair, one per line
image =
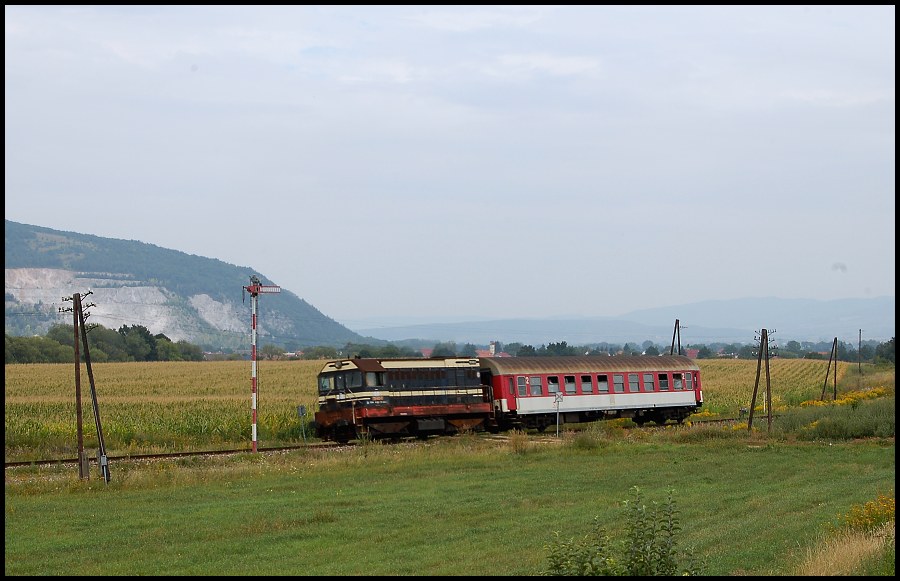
(726, 321)
(199, 299)
(181, 295)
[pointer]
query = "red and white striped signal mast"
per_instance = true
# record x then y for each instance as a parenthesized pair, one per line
(255, 289)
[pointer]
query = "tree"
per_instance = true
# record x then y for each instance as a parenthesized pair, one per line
(527, 351)
(139, 343)
(444, 350)
(885, 352)
(468, 350)
(271, 351)
(167, 351)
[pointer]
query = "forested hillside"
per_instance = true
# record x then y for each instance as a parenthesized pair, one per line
(192, 297)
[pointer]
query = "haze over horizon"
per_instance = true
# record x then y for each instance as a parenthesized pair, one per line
(469, 163)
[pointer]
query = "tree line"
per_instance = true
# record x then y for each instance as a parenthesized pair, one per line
(127, 343)
(136, 343)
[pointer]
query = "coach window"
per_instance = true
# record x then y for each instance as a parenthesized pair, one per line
(535, 385)
(570, 383)
(553, 384)
(523, 388)
(687, 381)
(512, 386)
(603, 383)
(618, 383)
(648, 382)
(676, 379)
(633, 383)
(664, 382)
(587, 385)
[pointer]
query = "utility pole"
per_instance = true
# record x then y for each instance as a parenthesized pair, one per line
(79, 420)
(676, 332)
(763, 347)
(80, 328)
(859, 353)
(832, 357)
(255, 288)
(102, 458)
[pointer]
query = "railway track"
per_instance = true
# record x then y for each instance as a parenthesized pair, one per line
(170, 455)
(307, 446)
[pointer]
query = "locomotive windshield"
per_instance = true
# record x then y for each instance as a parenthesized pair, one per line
(348, 380)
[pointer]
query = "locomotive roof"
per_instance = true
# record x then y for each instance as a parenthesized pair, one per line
(587, 364)
(369, 364)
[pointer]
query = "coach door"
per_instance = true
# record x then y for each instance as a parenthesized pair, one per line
(520, 390)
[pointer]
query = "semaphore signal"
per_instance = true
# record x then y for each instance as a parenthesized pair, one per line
(255, 288)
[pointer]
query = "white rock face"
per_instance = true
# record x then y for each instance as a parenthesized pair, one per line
(223, 316)
(121, 301)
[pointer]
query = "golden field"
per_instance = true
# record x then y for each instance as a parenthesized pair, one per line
(171, 406)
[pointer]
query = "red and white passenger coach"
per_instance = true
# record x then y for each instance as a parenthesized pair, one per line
(530, 391)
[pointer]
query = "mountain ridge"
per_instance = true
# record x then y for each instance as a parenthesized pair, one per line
(711, 321)
(181, 295)
(190, 297)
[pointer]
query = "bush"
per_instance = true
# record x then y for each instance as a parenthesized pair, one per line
(650, 546)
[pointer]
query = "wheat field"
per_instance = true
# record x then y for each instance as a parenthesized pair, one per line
(175, 406)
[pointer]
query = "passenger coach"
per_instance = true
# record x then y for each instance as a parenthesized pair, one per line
(528, 392)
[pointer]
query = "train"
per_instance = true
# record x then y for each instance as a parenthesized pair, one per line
(396, 398)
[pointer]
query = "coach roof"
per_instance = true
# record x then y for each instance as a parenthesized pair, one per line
(586, 364)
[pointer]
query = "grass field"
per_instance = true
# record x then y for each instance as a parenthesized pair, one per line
(750, 503)
(467, 505)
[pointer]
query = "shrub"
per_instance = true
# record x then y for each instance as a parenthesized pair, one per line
(650, 546)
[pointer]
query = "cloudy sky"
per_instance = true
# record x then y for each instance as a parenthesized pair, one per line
(452, 163)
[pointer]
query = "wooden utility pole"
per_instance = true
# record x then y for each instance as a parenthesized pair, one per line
(101, 453)
(676, 331)
(83, 473)
(859, 353)
(832, 357)
(763, 347)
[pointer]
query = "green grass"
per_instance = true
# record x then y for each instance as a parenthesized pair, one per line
(454, 506)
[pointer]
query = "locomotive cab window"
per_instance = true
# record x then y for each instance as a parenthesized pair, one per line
(326, 384)
(374, 379)
(570, 383)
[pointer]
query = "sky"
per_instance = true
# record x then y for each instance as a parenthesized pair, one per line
(438, 163)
